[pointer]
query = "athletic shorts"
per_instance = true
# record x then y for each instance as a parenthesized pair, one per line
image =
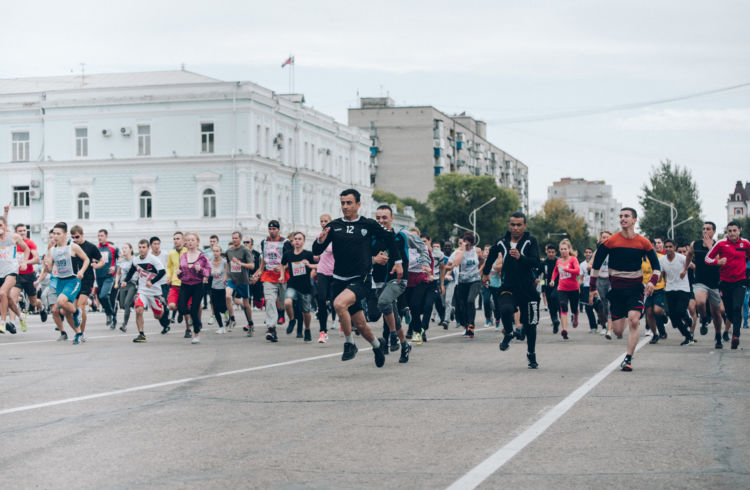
(87, 285)
(658, 298)
(48, 296)
(242, 290)
(156, 303)
(358, 285)
(2, 279)
(70, 287)
(25, 282)
(303, 299)
(174, 295)
(623, 300)
(714, 296)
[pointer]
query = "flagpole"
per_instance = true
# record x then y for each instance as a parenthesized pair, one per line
(291, 69)
(292, 73)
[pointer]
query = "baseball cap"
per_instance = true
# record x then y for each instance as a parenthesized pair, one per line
(273, 224)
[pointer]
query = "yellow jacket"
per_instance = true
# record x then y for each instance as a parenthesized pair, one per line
(173, 263)
(647, 272)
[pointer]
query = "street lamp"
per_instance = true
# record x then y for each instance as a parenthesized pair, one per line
(672, 216)
(476, 237)
(473, 216)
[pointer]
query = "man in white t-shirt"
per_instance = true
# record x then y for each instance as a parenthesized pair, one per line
(583, 280)
(677, 290)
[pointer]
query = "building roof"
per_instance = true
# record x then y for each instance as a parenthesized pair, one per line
(100, 80)
(742, 191)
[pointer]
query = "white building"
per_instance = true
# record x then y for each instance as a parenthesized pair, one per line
(591, 200)
(143, 154)
(738, 204)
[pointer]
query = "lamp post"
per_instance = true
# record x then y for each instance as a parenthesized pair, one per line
(467, 229)
(473, 216)
(672, 216)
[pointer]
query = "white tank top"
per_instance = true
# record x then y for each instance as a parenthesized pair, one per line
(8, 262)
(62, 259)
(469, 267)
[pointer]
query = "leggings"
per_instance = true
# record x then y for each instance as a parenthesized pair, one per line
(195, 293)
(415, 298)
(585, 306)
(466, 298)
(431, 300)
(677, 302)
(733, 296)
(126, 297)
(602, 288)
(529, 308)
(495, 293)
(487, 303)
(323, 291)
(218, 304)
(553, 304)
(568, 296)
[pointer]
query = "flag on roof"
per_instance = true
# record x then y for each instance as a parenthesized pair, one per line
(289, 61)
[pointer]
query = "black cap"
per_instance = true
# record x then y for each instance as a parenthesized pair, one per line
(273, 224)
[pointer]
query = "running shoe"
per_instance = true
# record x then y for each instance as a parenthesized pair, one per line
(663, 335)
(124, 327)
(555, 327)
(10, 327)
(405, 349)
(221, 331)
(654, 339)
(604, 331)
(179, 318)
(271, 335)
(519, 334)
(704, 329)
(140, 339)
(424, 336)
(308, 336)
(575, 321)
(718, 344)
(687, 341)
(735, 342)
(506, 341)
(725, 336)
(281, 320)
(250, 330)
(417, 338)
(394, 341)
(196, 340)
(323, 338)
(384, 346)
(746, 326)
(211, 320)
(77, 339)
(379, 356)
(164, 330)
(43, 315)
(290, 327)
(497, 323)
(564, 334)
(188, 334)
(488, 323)
(63, 336)
(470, 329)
(627, 364)
(350, 350)
(407, 315)
(593, 330)
(444, 325)
(532, 361)
(23, 323)
(77, 317)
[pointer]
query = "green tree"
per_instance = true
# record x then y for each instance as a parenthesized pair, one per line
(421, 211)
(557, 221)
(454, 198)
(672, 184)
(745, 224)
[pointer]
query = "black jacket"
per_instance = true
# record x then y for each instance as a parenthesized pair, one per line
(518, 274)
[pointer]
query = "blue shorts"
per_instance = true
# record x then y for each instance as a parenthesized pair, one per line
(70, 287)
(242, 290)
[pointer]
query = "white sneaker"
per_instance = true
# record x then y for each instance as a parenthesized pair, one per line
(250, 330)
(323, 338)
(196, 340)
(231, 324)
(604, 331)
(2, 327)
(221, 330)
(211, 320)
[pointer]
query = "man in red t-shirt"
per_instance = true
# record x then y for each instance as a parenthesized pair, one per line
(26, 278)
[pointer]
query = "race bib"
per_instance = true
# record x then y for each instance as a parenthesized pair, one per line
(298, 269)
(105, 256)
(235, 267)
(5, 252)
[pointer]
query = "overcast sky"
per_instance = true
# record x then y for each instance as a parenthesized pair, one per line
(518, 65)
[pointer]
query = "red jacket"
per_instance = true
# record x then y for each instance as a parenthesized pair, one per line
(736, 254)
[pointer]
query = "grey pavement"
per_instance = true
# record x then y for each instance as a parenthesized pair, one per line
(679, 420)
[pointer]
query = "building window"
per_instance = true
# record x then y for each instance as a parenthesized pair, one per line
(20, 146)
(82, 142)
(144, 139)
(145, 204)
(83, 206)
(207, 137)
(21, 196)
(209, 203)
(738, 211)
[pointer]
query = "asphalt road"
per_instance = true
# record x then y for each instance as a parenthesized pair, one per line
(238, 412)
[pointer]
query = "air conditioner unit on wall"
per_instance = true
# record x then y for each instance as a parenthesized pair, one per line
(125, 131)
(34, 193)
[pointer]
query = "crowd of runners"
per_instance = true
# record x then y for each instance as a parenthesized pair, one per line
(362, 271)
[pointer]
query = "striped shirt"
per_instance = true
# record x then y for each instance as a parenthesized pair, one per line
(625, 258)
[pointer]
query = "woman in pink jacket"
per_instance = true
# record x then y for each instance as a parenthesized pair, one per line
(194, 271)
(565, 276)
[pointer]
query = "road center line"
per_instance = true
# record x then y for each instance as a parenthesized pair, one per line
(133, 389)
(494, 462)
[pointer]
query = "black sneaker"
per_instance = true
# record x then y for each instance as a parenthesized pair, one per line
(350, 350)
(555, 328)
(308, 336)
(188, 334)
(379, 356)
(405, 349)
(271, 335)
(627, 364)
(532, 361)
(725, 336)
(687, 341)
(63, 336)
(654, 339)
(10, 327)
(179, 318)
(735, 342)
(424, 335)
(140, 339)
(290, 328)
(718, 344)
(444, 325)
(43, 314)
(662, 335)
(519, 334)
(164, 330)
(394, 342)
(704, 328)
(506, 341)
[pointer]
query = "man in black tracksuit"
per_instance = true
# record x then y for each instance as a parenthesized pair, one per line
(520, 253)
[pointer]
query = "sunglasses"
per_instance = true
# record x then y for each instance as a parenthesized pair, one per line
(245, 242)
(75, 237)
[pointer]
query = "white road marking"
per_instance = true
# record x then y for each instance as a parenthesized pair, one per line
(93, 396)
(494, 462)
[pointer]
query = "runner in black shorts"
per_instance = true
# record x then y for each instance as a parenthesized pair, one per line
(626, 250)
(352, 239)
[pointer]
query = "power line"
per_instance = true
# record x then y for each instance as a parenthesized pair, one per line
(616, 108)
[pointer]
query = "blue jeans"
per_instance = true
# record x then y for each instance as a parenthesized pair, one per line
(105, 288)
(745, 307)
